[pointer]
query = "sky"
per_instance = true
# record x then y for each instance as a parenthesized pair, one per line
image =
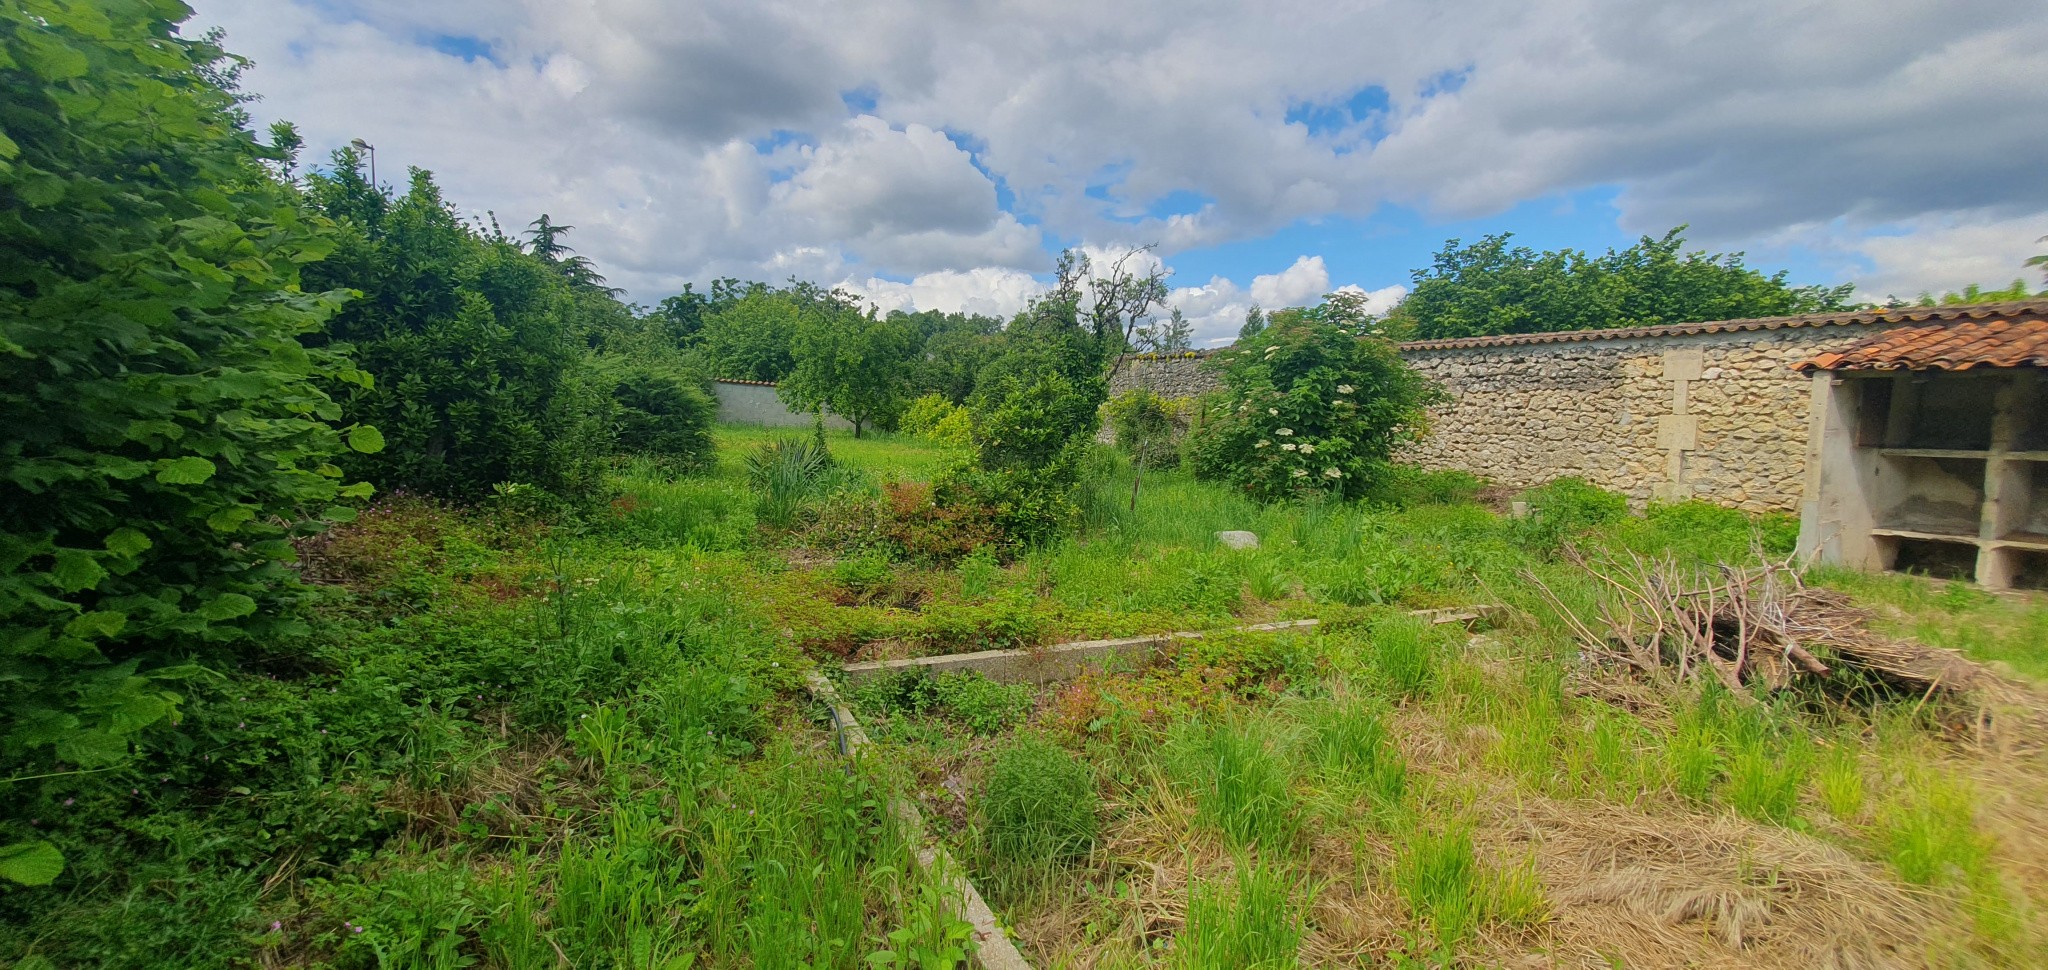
(938, 154)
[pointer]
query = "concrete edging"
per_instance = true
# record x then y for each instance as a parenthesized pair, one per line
(1065, 660)
(992, 947)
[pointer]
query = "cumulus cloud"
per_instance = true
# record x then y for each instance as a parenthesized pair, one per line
(899, 138)
(1218, 308)
(1934, 255)
(984, 290)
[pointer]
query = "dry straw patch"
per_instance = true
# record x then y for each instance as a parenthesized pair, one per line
(1679, 889)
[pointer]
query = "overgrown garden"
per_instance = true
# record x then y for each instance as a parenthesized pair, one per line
(380, 591)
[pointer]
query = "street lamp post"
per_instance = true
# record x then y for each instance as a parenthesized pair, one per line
(363, 146)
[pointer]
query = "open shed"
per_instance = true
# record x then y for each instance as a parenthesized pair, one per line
(1928, 452)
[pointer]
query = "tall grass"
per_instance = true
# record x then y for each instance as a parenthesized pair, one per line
(1254, 922)
(785, 474)
(1038, 804)
(1404, 656)
(1240, 781)
(1349, 745)
(1451, 894)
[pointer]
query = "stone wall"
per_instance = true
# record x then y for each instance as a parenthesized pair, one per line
(1656, 415)
(1168, 375)
(1716, 416)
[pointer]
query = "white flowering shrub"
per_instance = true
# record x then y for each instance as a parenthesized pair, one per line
(1310, 405)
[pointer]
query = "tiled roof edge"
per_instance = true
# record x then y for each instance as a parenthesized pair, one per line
(1917, 314)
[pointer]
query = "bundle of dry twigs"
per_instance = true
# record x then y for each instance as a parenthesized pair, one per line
(1754, 625)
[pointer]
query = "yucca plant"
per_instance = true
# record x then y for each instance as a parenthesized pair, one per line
(785, 474)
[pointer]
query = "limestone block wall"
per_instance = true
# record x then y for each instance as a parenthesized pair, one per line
(1716, 416)
(1167, 375)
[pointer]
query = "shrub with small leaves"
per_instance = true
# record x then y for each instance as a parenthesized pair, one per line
(1312, 406)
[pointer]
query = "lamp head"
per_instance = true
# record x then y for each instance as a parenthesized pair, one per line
(361, 145)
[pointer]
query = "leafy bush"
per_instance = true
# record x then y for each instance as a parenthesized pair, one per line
(1146, 426)
(1038, 803)
(167, 430)
(479, 375)
(1028, 441)
(864, 573)
(907, 521)
(1311, 407)
(660, 411)
(938, 420)
(1565, 508)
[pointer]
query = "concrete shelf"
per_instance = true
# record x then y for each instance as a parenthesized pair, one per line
(1962, 453)
(1933, 453)
(1928, 536)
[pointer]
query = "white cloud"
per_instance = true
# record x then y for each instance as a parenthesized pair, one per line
(708, 137)
(984, 290)
(1933, 254)
(1296, 285)
(1217, 309)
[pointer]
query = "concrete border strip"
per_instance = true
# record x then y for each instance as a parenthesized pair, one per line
(1065, 660)
(992, 947)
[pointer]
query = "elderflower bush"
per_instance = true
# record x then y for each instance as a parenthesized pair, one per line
(1309, 407)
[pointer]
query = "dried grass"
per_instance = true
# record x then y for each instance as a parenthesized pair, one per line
(1679, 889)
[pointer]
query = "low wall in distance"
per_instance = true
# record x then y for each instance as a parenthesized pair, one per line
(755, 402)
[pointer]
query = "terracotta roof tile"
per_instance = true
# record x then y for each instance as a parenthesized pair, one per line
(1916, 314)
(1951, 346)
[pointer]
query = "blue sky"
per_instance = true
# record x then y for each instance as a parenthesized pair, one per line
(931, 155)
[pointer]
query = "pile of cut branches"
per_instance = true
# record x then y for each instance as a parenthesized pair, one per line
(1752, 626)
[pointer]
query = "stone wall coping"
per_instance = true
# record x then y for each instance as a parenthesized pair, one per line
(1895, 315)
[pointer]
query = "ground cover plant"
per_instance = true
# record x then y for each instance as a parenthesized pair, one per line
(612, 695)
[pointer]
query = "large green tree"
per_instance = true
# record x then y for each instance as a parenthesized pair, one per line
(855, 365)
(476, 344)
(1490, 287)
(753, 337)
(167, 430)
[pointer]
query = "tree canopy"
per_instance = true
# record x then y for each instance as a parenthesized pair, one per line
(855, 365)
(472, 338)
(1490, 287)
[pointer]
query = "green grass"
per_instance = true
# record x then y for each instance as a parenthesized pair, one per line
(1450, 894)
(1241, 782)
(1349, 746)
(1253, 921)
(885, 456)
(586, 740)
